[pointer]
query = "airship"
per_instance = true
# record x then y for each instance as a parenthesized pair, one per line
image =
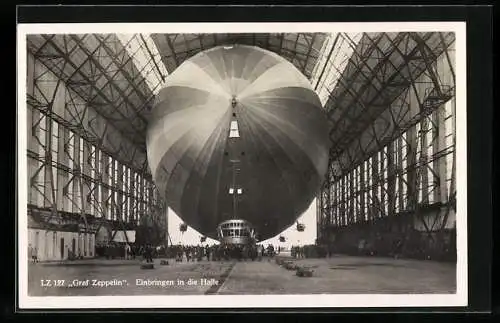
(238, 143)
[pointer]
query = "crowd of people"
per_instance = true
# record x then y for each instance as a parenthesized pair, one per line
(310, 251)
(115, 250)
(297, 252)
(182, 253)
(187, 253)
(218, 252)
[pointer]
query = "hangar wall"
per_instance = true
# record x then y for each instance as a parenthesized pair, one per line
(397, 180)
(82, 172)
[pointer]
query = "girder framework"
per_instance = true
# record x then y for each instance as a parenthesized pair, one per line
(102, 71)
(82, 170)
(392, 110)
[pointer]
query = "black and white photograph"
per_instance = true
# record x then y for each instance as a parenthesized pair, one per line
(242, 165)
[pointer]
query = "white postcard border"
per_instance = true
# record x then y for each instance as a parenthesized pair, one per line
(246, 301)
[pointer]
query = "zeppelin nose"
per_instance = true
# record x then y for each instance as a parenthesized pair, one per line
(234, 102)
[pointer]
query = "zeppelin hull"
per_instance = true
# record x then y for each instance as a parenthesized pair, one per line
(238, 133)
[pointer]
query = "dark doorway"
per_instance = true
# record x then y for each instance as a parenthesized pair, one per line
(62, 248)
(73, 246)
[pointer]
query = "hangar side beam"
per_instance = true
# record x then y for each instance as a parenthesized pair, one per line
(81, 114)
(115, 97)
(83, 78)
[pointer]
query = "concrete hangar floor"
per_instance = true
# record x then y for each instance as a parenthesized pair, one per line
(338, 274)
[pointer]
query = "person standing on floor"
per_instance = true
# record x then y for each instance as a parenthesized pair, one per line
(149, 253)
(32, 253)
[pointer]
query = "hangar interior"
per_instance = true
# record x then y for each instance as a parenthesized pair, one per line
(389, 97)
